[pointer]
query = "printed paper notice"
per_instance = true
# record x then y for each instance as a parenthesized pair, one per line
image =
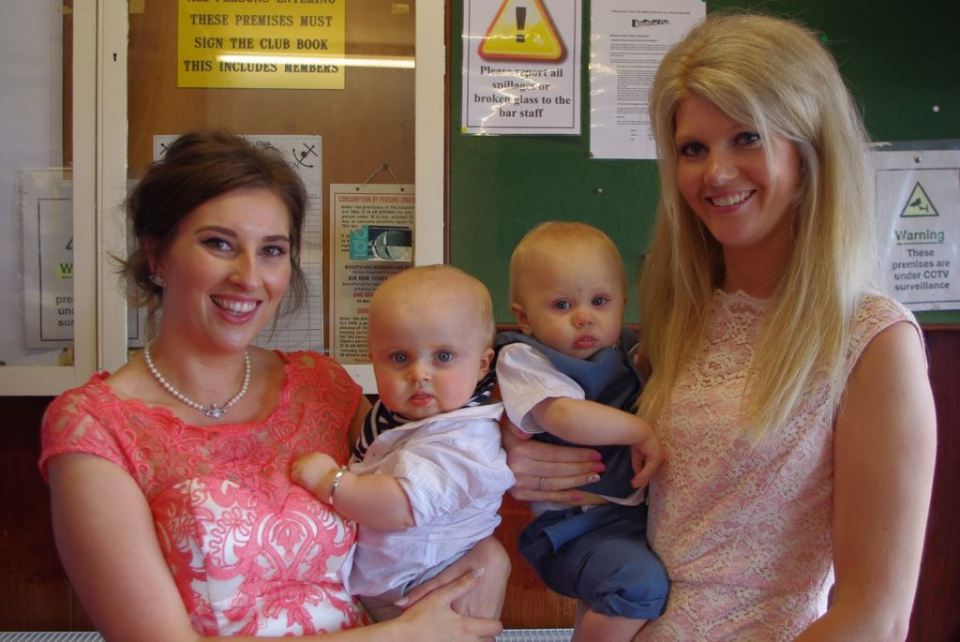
(47, 210)
(628, 39)
(372, 238)
(276, 44)
(521, 67)
(919, 198)
(48, 304)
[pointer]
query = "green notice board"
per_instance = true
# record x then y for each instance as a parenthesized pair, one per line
(900, 59)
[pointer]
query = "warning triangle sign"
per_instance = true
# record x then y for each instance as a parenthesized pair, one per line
(919, 204)
(522, 30)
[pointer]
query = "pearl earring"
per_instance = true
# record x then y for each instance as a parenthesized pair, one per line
(158, 281)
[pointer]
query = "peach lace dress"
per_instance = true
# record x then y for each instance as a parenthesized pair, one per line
(744, 531)
(251, 553)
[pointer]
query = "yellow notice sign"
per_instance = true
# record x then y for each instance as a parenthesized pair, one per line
(522, 30)
(271, 44)
(919, 204)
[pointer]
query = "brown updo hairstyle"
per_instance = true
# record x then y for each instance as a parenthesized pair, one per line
(197, 167)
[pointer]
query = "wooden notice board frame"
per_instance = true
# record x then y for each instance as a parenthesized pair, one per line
(368, 123)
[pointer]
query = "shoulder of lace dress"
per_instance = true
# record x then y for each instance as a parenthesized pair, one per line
(877, 307)
(94, 391)
(875, 313)
(313, 371)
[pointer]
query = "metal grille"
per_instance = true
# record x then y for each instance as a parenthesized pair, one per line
(535, 635)
(52, 636)
(511, 635)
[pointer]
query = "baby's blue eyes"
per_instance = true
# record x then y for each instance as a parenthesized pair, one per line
(443, 356)
(564, 304)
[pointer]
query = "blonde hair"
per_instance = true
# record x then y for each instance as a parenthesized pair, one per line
(465, 286)
(563, 233)
(776, 76)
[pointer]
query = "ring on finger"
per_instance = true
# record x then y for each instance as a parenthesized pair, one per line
(540, 484)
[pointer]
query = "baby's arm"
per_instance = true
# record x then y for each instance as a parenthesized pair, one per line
(375, 501)
(589, 423)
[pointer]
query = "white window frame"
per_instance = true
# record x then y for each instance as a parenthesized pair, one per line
(49, 380)
(99, 187)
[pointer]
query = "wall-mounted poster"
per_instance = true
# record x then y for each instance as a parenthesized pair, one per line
(46, 206)
(628, 39)
(918, 196)
(521, 66)
(372, 230)
(276, 44)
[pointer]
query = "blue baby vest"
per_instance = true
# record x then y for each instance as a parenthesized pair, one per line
(608, 377)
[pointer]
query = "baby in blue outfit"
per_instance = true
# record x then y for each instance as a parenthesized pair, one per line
(568, 378)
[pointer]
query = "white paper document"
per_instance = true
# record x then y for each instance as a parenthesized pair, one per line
(918, 196)
(628, 39)
(372, 230)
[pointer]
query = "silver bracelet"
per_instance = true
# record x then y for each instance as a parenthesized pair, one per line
(336, 484)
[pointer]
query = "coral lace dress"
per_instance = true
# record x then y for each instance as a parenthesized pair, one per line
(744, 530)
(251, 553)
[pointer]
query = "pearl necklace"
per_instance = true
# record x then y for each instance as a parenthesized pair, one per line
(213, 411)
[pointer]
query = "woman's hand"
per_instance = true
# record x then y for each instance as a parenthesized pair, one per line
(486, 599)
(549, 473)
(434, 618)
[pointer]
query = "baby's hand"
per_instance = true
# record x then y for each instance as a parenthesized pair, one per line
(309, 471)
(646, 457)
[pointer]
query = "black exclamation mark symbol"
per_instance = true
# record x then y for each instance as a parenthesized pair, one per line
(521, 22)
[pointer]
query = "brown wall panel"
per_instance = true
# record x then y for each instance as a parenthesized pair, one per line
(34, 593)
(936, 611)
(529, 604)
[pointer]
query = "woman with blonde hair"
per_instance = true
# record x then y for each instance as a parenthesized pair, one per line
(792, 398)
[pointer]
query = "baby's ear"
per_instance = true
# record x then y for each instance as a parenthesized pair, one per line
(485, 359)
(521, 317)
